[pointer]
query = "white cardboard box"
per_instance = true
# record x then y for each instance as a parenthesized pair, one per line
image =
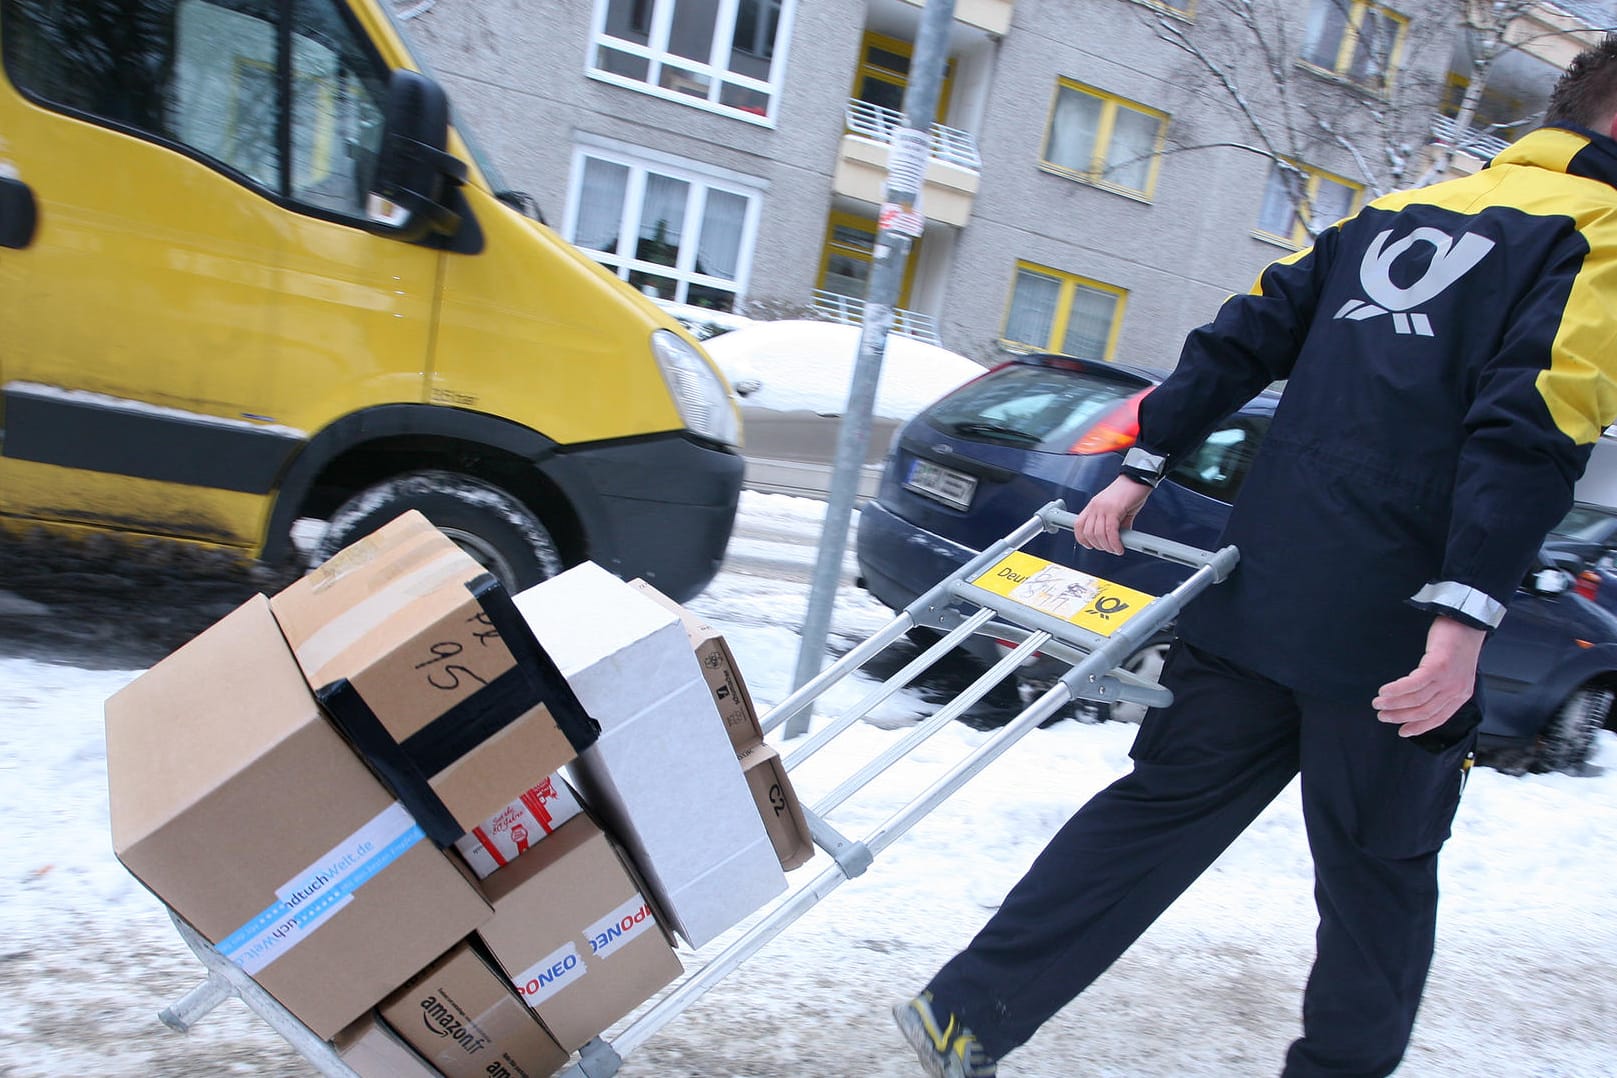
(663, 777)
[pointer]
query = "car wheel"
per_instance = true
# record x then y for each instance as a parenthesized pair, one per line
(495, 529)
(1569, 736)
(1145, 663)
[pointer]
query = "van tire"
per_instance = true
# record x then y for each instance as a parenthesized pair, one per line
(1568, 738)
(499, 532)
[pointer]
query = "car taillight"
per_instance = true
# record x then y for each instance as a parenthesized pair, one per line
(1587, 584)
(1115, 431)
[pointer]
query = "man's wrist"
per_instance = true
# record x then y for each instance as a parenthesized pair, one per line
(1143, 467)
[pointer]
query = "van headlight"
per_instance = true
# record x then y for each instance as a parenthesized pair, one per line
(700, 394)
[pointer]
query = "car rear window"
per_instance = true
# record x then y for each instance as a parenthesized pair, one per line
(1029, 405)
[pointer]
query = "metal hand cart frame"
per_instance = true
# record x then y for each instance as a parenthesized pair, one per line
(957, 608)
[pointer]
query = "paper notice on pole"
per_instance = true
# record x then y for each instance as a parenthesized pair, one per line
(1088, 602)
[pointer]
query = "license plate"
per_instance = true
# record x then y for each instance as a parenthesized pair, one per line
(935, 481)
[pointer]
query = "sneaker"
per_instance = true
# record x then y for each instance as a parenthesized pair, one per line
(946, 1049)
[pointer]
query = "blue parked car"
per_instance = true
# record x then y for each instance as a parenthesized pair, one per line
(981, 460)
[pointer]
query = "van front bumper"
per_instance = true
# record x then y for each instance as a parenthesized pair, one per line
(660, 507)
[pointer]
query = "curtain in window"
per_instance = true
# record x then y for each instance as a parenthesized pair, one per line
(1134, 140)
(1372, 55)
(1073, 126)
(1089, 323)
(600, 205)
(662, 219)
(718, 252)
(1332, 202)
(1033, 309)
(1279, 212)
(1322, 39)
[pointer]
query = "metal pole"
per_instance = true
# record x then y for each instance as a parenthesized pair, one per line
(898, 226)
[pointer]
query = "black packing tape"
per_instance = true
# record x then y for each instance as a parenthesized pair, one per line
(388, 759)
(407, 766)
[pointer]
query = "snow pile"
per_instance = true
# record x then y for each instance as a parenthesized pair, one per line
(809, 365)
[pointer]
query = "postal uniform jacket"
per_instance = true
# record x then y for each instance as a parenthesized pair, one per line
(1449, 359)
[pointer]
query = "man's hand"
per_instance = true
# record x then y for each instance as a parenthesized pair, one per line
(1101, 523)
(1429, 696)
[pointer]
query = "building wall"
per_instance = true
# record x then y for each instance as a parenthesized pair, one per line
(519, 73)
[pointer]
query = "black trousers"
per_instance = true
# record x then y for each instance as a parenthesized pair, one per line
(1377, 809)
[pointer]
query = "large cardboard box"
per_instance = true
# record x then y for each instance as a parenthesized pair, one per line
(372, 1050)
(575, 935)
(663, 777)
(512, 831)
(765, 771)
(463, 1017)
(234, 800)
(417, 654)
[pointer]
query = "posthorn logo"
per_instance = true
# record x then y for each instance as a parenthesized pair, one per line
(1450, 261)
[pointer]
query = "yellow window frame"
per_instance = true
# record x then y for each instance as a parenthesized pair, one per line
(1110, 103)
(854, 220)
(1299, 236)
(898, 47)
(1350, 43)
(1069, 285)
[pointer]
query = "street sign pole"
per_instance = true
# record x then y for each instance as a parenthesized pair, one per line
(898, 226)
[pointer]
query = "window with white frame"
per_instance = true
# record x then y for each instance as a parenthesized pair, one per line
(1356, 39)
(675, 234)
(1300, 202)
(722, 54)
(1059, 312)
(1102, 138)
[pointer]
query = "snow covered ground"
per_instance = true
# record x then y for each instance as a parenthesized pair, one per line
(1525, 983)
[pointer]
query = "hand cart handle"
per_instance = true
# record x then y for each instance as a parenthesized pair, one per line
(1058, 519)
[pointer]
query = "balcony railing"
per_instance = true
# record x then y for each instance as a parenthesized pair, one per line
(1477, 143)
(949, 144)
(851, 312)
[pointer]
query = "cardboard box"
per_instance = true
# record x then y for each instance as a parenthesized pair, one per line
(509, 833)
(771, 787)
(719, 670)
(372, 1050)
(783, 817)
(465, 1020)
(234, 800)
(663, 778)
(417, 654)
(575, 935)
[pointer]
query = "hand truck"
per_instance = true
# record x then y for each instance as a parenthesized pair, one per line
(1089, 624)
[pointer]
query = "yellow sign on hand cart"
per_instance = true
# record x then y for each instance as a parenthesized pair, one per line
(1088, 602)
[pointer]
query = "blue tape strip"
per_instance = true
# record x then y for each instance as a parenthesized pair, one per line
(281, 912)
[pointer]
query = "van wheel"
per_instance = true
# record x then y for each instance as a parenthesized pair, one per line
(1569, 737)
(494, 528)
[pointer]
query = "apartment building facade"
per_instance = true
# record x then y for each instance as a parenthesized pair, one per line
(1103, 173)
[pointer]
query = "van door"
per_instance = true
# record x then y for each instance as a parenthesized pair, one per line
(200, 296)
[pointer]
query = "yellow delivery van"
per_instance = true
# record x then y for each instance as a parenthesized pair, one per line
(252, 272)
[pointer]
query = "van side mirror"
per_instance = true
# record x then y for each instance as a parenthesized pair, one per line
(409, 194)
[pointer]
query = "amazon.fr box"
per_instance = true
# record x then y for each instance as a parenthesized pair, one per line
(573, 932)
(463, 1017)
(235, 801)
(663, 777)
(762, 765)
(419, 657)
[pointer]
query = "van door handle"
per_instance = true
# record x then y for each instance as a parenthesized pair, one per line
(18, 213)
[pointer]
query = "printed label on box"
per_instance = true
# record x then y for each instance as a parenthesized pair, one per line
(548, 976)
(619, 927)
(507, 834)
(308, 899)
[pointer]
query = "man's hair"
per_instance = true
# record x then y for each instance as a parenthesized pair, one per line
(1586, 94)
